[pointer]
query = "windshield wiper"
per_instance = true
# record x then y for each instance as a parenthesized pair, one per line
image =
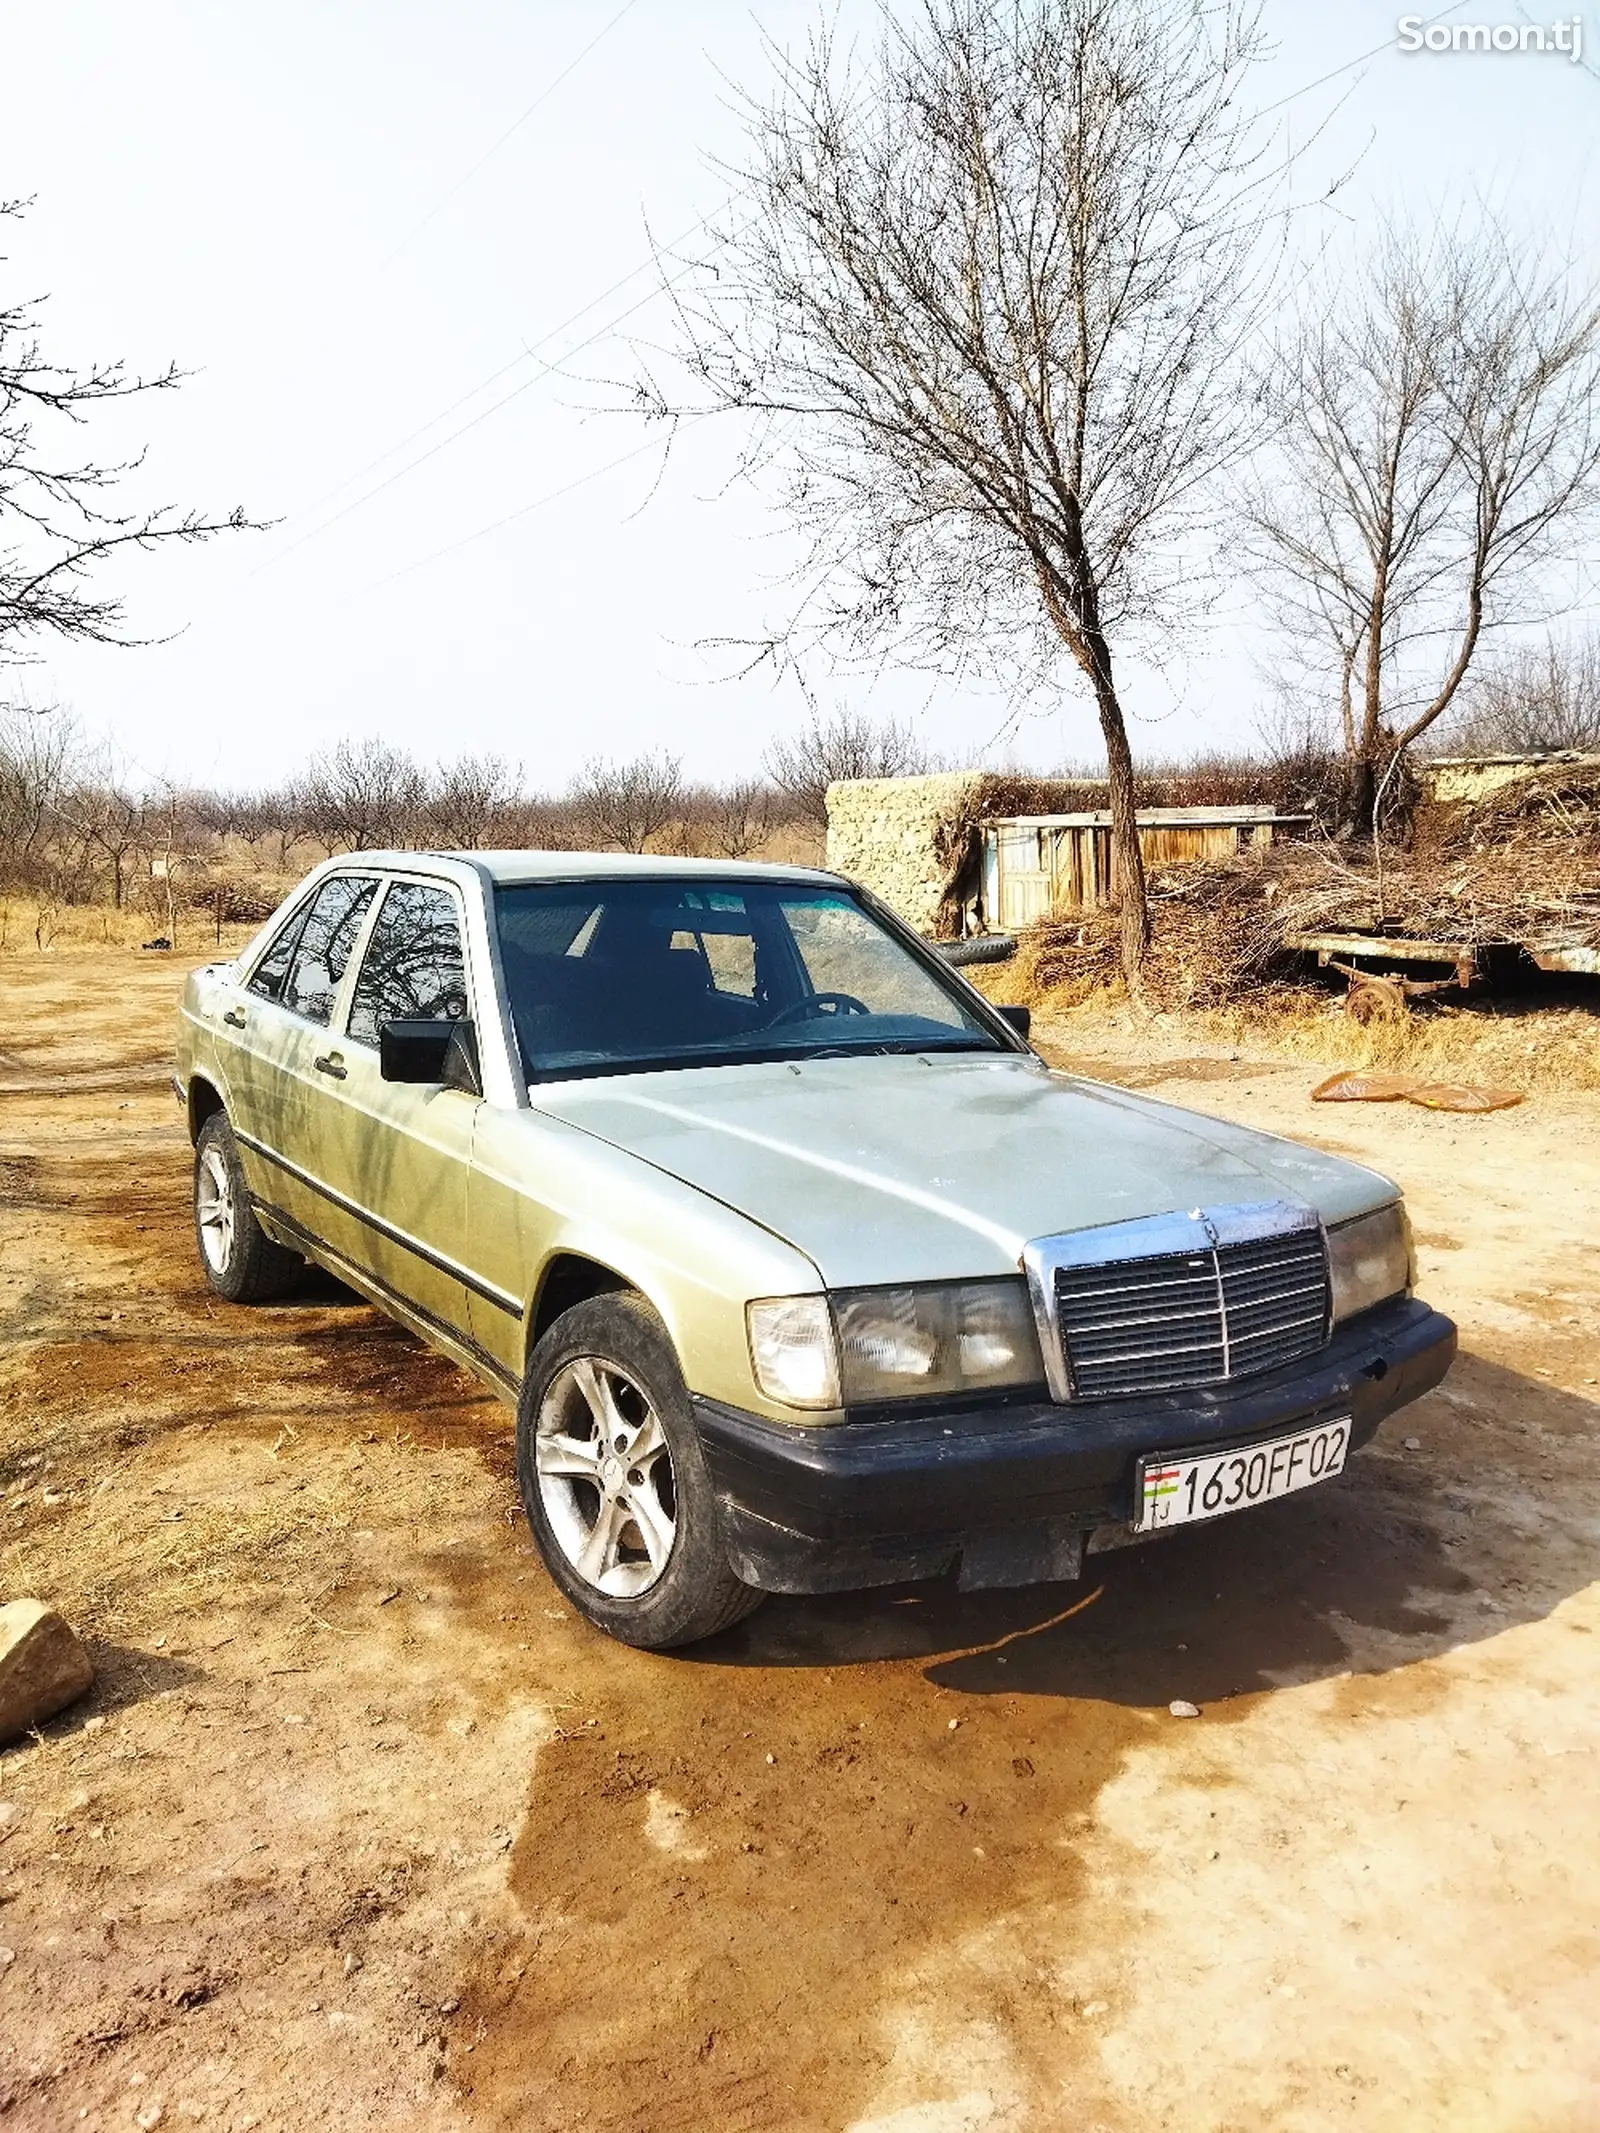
(749, 1055)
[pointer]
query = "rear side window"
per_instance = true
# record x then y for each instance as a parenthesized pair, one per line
(322, 953)
(273, 968)
(414, 965)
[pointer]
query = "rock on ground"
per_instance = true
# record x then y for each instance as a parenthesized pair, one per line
(43, 1667)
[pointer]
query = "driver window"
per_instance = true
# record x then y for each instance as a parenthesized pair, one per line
(414, 965)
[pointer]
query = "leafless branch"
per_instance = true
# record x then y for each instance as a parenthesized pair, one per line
(980, 315)
(1437, 426)
(60, 521)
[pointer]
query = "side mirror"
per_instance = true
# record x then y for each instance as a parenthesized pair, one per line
(433, 1053)
(1019, 1018)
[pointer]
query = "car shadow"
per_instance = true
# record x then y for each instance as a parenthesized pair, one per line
(1407, 1555)
(316, 1287)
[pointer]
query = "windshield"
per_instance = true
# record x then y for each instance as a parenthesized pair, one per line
(608, 976)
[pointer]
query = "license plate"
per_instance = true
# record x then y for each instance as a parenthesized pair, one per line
(1177, 1492)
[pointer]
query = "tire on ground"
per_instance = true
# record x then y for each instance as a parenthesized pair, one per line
(696, 1594)
(987, 948)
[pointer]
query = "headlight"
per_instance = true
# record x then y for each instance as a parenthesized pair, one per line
(1369, 1259)
(894, 1343)
(792, 1350)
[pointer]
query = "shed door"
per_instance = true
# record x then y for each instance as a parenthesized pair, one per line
(1024, 880)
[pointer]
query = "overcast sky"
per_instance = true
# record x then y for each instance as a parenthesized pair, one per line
(301, 205)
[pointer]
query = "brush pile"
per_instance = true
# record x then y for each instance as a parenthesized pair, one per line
(1522, 865)
(1216, 933)
(1311, 784)
(1554, 806)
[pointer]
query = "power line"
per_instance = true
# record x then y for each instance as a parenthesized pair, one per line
(525, 355)
(1360, 60)
(521, 511)
(1528, 19)
(543, 97)
(432, 422)
(549, 369)
(505, 400)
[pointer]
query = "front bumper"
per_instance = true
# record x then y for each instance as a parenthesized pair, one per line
(1009, 1491)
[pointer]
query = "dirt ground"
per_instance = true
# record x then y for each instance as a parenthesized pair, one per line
(362, 1828)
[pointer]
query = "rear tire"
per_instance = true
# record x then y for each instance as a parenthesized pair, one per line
(615, 1484)
(240, 1260)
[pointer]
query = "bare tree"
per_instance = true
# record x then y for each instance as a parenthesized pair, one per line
(40, 766)
(1438, 448)
(467, 798)
(287, 814)
(251, 816)
(626, 804)
(178, 842)
(731, 820)
(1532, 700)
(983, 294)
(844, 744)
(59, 521)
(542, 822)
(361, 794)
(113, 821)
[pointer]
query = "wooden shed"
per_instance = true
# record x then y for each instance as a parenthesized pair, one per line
(1044, 866)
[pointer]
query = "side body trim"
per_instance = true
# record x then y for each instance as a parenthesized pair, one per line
(511, 1305)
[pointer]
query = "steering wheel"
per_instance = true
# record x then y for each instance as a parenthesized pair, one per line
(819, 1003)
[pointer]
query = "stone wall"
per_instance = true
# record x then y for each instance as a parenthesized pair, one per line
(915, 841)
(1470, 780)
(894, 836)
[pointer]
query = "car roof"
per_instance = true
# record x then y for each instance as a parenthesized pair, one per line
(508, 867)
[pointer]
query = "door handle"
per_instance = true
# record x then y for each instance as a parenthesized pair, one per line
(330, 1063)
(235, 1015)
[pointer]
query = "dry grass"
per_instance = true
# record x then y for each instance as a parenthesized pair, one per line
(120, 1584)
(1521, 1044)
(1522, 1047)
(31, 925)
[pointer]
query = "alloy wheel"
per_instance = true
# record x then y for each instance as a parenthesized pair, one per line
(606, 1477)
(213, 1208)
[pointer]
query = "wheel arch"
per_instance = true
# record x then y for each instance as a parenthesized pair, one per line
(201, 1102)
(571, 1278)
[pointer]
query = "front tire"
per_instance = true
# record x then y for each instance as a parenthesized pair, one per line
(241, 1262)
(615, 1484)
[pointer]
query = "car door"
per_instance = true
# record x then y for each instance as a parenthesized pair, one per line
(276, 1068)
(395, 1156)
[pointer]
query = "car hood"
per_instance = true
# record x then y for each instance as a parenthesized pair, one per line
(922, 1168)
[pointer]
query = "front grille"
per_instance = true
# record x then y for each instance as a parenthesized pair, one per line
(1193, 1318)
